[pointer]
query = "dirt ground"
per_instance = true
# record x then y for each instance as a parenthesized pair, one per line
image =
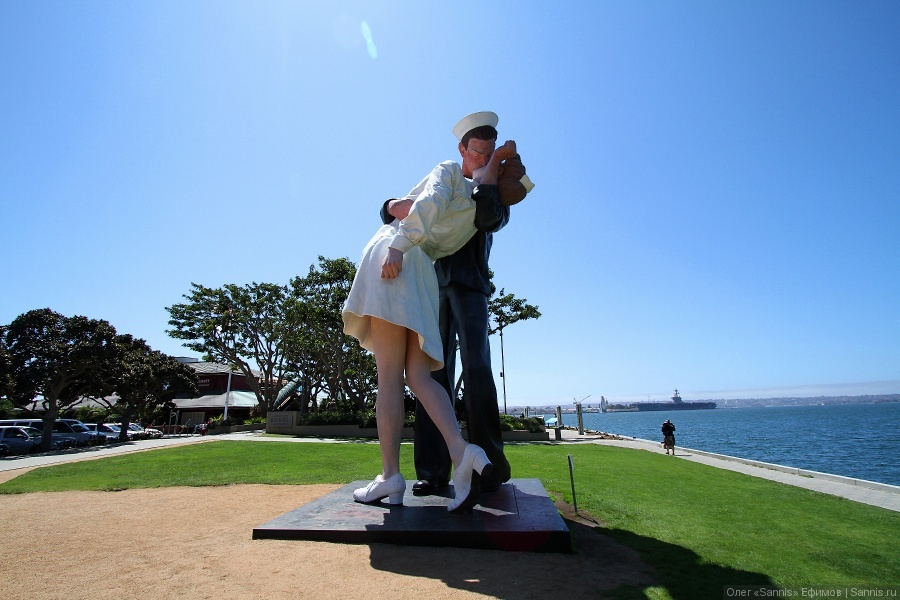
(196, 543)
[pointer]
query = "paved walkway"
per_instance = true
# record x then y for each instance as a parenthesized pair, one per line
(858, 490)
(12, 464)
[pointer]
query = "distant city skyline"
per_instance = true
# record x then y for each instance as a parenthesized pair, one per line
(871, 388)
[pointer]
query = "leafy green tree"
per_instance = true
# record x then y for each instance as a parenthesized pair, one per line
(146, 380)
(288, 332)
(6, 379)
(506, 309)
(56, 361)
(324, 353)
(242, 325)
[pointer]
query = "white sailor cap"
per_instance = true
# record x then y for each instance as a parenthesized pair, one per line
(470, 122)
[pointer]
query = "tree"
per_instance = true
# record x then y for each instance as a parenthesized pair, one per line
(238, 324)
(57, 360)
(324, 353)
(506, 309)
(145, 381)
(6, 379)
(289, 333)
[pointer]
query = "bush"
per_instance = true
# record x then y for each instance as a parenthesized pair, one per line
(221, 421)
(367, 419)
(7, 409)
(512, 423)
(508, 422)
(330, 418)
(364, 418)
(533, 424)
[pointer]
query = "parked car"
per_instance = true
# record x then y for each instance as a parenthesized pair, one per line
(145, 432)
(22, 440)
(102, 436)
(62, 428)
(114, 432)
(61, 442)
(75, 428)
(4, 448)
(110, 431)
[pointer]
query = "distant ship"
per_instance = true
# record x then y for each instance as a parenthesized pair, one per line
(676, 404)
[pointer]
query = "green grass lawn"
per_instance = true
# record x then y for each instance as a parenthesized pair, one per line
(702, 528)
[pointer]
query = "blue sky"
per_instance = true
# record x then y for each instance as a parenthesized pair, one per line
(717, 182)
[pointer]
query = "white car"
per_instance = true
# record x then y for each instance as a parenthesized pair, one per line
(145, 432)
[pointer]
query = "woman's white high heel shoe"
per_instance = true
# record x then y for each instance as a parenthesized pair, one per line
(391, 488)
(467, 479)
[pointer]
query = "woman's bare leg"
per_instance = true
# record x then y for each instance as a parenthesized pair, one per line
(389, 342)
(432, 395)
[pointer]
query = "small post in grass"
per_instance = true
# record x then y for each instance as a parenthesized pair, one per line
(572, 479)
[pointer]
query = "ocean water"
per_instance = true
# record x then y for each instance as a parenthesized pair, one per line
(853, 440)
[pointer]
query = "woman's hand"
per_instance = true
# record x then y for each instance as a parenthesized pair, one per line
(492, 169)
(507, 150)
(392, 265)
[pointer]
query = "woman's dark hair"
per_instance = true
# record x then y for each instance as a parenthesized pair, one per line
(485, 132)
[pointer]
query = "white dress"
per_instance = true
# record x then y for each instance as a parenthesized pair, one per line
(439, 223)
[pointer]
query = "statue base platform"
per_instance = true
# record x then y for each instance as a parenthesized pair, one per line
(519, 516)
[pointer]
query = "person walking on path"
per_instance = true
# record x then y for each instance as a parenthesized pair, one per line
(668, 431)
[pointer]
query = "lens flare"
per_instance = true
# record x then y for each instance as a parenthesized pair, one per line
(367, 35)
